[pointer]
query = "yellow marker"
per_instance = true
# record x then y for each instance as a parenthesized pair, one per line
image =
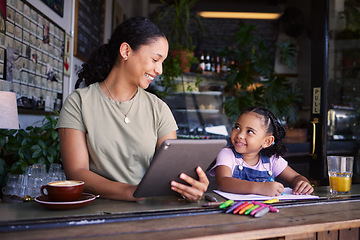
(274, 200)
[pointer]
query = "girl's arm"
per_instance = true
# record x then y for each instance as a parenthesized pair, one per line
(227, 183)
(298, 183)
(75, 155)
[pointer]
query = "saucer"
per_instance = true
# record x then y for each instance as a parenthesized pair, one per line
(84, 200)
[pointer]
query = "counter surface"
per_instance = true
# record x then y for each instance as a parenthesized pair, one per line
(173, 218)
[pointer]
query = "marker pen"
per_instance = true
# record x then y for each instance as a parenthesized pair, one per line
(227, 204)
(251, 209)
(211, 204)
(210, 198)
(256, 210)
(274, 200)
(242, 211)
(262, 212)
(272, 209)
(235, 205)
(240, 207)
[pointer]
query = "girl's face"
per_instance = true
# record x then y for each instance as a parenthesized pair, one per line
(249, 134)
(145, 64)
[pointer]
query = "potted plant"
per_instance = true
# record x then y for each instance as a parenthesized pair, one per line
(24, 147)
(253, 81)
(175, 18)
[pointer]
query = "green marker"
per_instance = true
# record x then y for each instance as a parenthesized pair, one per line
(251, 209)
(227, 204)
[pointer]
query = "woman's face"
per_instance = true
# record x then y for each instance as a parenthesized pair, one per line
(146, 63)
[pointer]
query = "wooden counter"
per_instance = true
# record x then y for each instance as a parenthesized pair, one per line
(329, 218)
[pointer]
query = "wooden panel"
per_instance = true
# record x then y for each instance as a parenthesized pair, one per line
(303, 236)
(328, 235)
(288, 222)
(349, 234)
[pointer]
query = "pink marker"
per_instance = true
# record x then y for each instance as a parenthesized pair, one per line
(256, 210)
(272, 209)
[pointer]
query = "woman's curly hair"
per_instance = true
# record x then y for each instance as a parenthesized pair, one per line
(274, 127)
(135, 31)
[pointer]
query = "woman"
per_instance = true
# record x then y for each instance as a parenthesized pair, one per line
(109, 130)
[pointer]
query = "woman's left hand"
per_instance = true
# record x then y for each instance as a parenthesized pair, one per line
(195, 191)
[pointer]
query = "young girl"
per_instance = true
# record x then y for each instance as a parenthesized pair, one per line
(253, 161)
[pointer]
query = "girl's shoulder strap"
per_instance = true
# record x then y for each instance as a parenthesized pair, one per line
(237, 155)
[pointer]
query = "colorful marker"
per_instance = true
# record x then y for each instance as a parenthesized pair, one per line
(227, 204)
(256, 210)
(262, 212)
(242, 211)
(212, 204)
(274, 200)
(251, 209)
(210, 198)
(240, 207)
(235, 205)
(272, 209)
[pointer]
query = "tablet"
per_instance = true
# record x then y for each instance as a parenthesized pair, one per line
(176, 156)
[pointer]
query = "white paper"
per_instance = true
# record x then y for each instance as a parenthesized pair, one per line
(220, 130)
(287, 195)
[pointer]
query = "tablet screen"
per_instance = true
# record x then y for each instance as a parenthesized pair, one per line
(176, 156)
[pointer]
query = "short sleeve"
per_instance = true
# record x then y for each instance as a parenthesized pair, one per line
(70, 114)
(226, 158)
(167, 121)
(278, 165)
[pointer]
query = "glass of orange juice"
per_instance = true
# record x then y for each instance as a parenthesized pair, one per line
(340, 170)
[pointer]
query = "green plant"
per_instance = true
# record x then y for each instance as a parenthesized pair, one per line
(253, 80)
(288, 53)
(172, 72)
(24, 147)
(175, 18)
(351, 15)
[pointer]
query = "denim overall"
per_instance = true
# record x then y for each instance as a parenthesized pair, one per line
(245, 173)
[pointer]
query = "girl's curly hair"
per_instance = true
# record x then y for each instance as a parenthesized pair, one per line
(274, 127)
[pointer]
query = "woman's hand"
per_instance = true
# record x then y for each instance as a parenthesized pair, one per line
(195, 191)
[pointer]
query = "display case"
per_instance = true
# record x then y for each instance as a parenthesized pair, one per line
(199, 113)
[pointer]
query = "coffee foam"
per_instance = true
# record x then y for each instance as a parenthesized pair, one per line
(65, 183)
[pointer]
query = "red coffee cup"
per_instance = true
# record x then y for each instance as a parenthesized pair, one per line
(63, 191)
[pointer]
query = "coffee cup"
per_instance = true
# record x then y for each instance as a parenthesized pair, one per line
(63, 191)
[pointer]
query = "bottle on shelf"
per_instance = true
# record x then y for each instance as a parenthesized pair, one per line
(224, 68)
(207, 63)
(202, 63)
(213, 65)
(218, 65)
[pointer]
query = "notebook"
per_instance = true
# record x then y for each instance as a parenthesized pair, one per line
(176, 156)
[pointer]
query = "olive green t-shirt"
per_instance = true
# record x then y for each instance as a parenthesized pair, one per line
(117, 150)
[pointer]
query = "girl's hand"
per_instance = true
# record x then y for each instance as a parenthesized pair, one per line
(302, 187)
(271, 189)
(195, 191)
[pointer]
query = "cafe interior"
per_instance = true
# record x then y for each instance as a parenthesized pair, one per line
(300, 59)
